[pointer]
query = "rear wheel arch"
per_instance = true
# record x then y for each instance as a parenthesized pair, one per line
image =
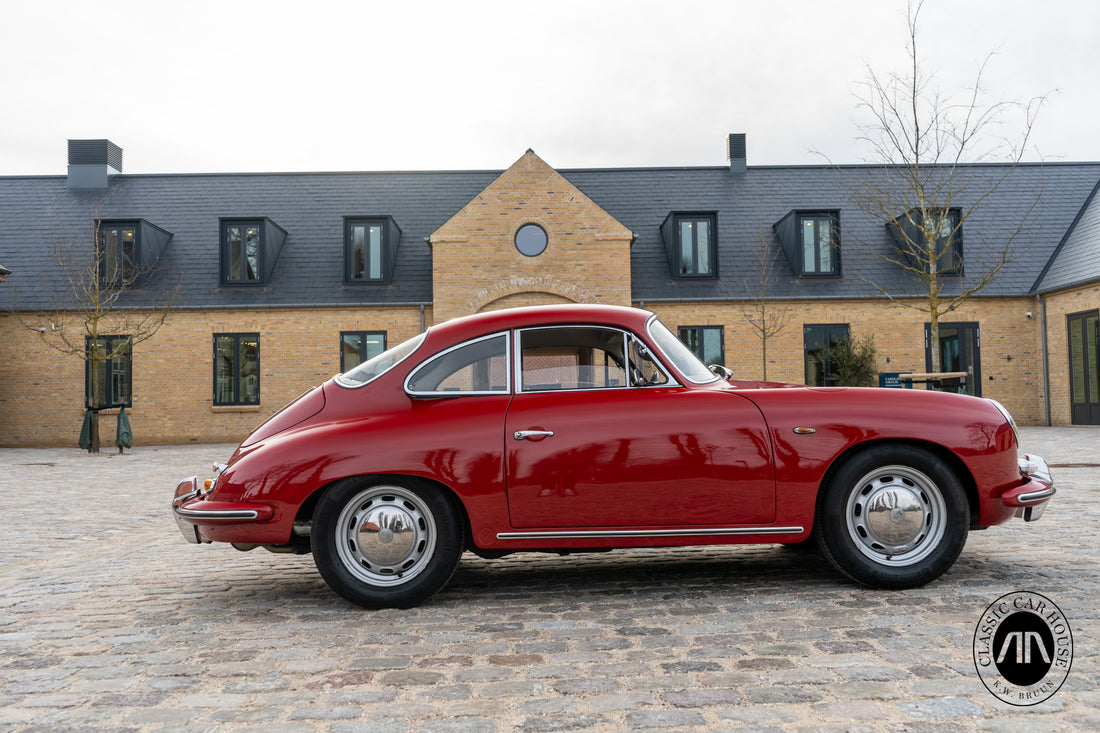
(308, 507)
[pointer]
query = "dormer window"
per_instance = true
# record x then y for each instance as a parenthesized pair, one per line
(691, 243)
(811, 241)
(128, 250)
(908, 232)
(370, 249)
(249, 250)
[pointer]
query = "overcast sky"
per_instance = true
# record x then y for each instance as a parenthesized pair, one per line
(221, 85)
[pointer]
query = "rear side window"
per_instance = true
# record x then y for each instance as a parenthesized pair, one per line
(475, 367)
(374, 368)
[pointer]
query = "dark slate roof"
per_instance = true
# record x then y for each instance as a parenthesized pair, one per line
(748, 206)
(1077, 259)
(311, 208)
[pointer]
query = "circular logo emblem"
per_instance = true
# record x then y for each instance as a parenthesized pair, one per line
(1023, 648)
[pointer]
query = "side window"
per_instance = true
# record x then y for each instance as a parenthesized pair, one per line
(584, 357)
(476, 367)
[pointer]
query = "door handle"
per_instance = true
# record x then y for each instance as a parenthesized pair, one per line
(525, 434)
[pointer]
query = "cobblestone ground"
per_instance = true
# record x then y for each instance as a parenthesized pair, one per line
(109, 621)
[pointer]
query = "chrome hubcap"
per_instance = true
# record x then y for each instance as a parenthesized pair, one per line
(386, 535)
(896, 515)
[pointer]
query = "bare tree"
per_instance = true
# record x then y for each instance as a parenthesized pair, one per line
(766, 317)
(925, 189)
(90, 305)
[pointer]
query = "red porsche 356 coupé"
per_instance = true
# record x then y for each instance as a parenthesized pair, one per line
(591, 427)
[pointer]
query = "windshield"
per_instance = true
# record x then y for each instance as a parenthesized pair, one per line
(379, 365)
(683, 358)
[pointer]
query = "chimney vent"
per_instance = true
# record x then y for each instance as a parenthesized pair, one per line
(90, 162)
(735, 153)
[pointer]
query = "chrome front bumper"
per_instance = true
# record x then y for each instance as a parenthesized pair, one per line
(1030, 500)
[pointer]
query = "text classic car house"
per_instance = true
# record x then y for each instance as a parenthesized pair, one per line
(282, 280)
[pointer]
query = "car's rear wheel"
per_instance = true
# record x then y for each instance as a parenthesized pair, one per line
(893, 517)
(388, 543)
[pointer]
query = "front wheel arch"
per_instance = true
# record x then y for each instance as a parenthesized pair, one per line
(962, 472)
(892, 516)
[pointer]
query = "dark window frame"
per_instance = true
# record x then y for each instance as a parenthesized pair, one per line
(827, 337)
(237, 337)
(129, 270)
(833, 218)
(349, 256)
(906, 231)
(362, 346)
(108, 365)
(227, 258)
(682, 330)
(678, 220)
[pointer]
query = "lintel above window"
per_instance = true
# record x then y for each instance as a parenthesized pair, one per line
(908, 233)
(128, 250)
(811, 241)
(691, 243)
(370, 249)
(249, 249)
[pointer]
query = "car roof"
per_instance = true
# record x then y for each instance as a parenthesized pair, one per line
(467, 327)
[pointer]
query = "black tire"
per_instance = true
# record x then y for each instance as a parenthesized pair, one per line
(386, 543)
(893, 516)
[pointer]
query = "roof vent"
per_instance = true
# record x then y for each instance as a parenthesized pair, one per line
(90, 162)
(735, 153)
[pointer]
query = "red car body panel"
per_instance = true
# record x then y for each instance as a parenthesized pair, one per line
(675, 459)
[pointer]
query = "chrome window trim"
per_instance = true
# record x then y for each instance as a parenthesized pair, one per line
(472, 393)
(517, 363)
(648, 326)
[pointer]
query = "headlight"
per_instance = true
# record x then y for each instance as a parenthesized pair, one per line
(1008, 417)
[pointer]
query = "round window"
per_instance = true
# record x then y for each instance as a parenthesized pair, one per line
(531, 240)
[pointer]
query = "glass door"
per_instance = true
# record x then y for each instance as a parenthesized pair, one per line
(1084, 368)
(960, 349)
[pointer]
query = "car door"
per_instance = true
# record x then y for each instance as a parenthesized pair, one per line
(596, 439)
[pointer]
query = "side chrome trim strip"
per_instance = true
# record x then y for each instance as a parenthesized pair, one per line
(611, 533)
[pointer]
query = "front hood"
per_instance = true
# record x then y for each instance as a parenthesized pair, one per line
(751, 384)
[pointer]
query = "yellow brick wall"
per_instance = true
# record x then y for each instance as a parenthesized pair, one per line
(1058, 306)
(1005, 331)
(42, 391)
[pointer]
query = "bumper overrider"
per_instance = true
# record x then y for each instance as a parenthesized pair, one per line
(1030, 499)
(191, 509)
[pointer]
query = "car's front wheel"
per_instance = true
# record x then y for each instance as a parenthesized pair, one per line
(893, 517)
(386, 543)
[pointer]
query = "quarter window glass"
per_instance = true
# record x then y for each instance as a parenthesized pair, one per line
(477, 367)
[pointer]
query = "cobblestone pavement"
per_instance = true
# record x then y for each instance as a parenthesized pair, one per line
(110, 621)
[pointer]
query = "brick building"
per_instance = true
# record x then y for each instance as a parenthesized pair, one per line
(282, 280)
